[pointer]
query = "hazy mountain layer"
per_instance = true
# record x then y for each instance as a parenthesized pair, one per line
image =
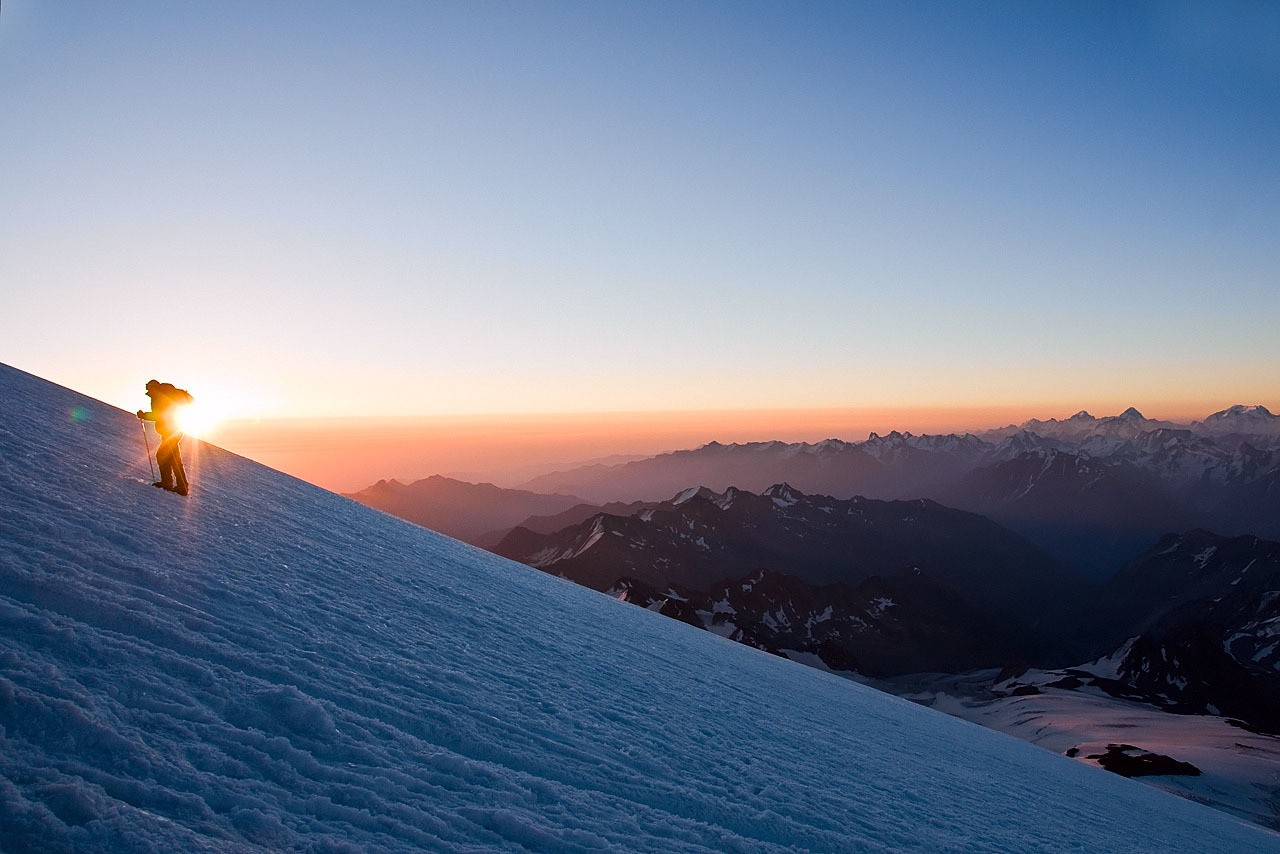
(1093, 491)
(467, 511)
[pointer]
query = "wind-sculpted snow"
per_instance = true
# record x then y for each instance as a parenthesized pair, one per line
(266, 666)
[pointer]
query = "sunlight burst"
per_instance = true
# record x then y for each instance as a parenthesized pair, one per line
(198, 419)
(213, 406)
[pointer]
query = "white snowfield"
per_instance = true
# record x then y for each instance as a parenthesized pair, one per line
(268, 666)
(1240, 770)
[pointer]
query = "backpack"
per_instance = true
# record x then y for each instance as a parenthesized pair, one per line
(176, 396)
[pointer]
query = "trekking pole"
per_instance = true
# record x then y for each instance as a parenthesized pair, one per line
(147, 442)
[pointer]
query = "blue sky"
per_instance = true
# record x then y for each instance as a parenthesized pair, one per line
(406, 208)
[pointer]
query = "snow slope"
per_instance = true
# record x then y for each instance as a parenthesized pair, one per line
(1240, 769)
(269, 666)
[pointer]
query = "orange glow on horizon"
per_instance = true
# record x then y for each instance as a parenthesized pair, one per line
(348, 454)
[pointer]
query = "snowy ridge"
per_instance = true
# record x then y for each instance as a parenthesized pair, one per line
(1241, 419)
(896, 444)
(268, 666)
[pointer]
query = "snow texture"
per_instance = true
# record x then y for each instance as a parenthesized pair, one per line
(268, 666)
(1240, 770)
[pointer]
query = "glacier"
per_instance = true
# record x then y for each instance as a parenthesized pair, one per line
(268, 666)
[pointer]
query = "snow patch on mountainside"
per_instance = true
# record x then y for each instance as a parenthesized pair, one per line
(1239, 769)
(1203, 557)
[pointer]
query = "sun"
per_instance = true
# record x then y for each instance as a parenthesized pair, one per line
(198, 419)
(214, 405)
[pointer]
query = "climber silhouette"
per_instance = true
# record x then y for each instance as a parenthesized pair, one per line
(166, 402)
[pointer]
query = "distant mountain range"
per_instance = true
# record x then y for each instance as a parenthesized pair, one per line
(889, 466)
(1091, 490)
(702, 537)
(478, 513)
(869, 585)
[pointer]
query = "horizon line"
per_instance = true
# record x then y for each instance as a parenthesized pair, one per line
(1182, 413)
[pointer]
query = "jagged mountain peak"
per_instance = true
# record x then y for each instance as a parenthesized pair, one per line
(891, 436)
(1240, 419)
(784, 492)
(1083, 425)
(923, 440)
(1021, 442)
(1257, 411)
(693, 492)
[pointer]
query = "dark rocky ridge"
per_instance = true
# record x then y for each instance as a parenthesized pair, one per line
(702, 537)
(904, 623)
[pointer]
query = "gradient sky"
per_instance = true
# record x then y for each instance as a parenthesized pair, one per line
(402, 208)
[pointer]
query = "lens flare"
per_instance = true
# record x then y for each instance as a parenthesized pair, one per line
(198, 419)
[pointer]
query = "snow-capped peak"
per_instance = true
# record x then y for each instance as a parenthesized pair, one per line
(1244, 420)
(883, 447)
(1240, 410)
(695, 492)
(1022, 442)
(783, 495)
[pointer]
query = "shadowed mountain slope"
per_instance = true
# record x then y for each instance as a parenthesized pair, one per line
(464, 510)
(701, 537)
